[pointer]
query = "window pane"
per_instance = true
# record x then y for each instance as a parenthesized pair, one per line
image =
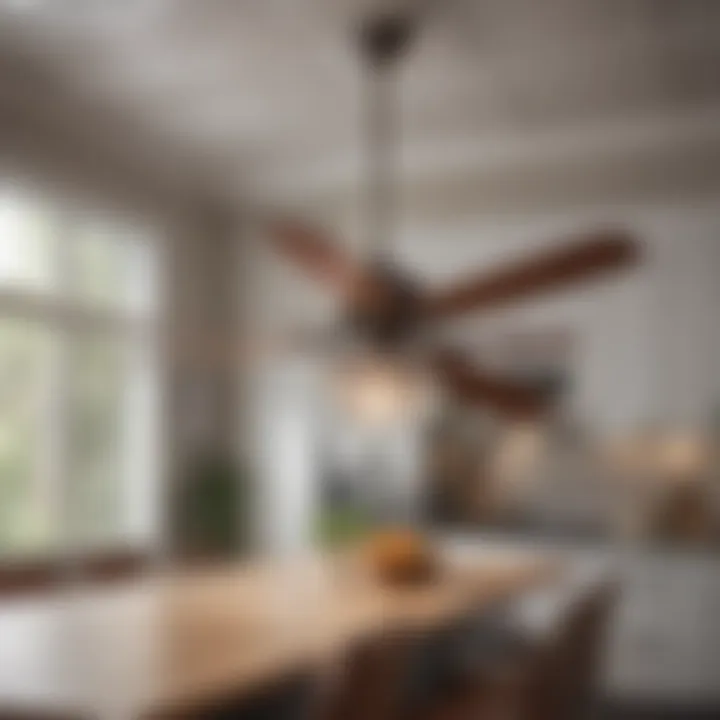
(111, 266)
(25, 499)
(26, 237)
(97, 379)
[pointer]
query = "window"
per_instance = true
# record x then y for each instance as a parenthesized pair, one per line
(78, 378)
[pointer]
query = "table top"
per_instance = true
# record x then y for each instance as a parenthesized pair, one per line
(178, 638)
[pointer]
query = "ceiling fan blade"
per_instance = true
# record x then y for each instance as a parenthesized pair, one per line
(471, 384)
(319, 257)
(586, 258)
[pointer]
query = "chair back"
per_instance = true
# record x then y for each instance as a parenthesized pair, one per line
(371, 683)
(564, 674)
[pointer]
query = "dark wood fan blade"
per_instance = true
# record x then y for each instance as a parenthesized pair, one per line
(584, 259)
(319, 257)
(471, 384)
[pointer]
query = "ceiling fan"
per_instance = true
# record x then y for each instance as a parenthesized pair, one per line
(387, 309)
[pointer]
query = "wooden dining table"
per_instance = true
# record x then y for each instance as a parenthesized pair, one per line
(177, 639)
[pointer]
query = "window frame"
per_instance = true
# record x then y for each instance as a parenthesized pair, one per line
(67, 316)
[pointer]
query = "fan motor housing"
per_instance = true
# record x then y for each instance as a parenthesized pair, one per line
(388, 317)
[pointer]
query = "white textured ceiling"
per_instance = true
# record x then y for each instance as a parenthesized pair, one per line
(266, 93)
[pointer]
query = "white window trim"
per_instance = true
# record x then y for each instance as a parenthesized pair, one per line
(55, 309)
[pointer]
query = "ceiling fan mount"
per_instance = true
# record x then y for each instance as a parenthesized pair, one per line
(385, 37)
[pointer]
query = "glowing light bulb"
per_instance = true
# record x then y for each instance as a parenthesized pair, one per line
(378, 392)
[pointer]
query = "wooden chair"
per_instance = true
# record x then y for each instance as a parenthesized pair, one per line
(394, 677)
(371, 683)
(582, 649)
(552, 680)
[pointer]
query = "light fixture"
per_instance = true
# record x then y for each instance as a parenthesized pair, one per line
(682, 456)
(519, 455)
(383, 391)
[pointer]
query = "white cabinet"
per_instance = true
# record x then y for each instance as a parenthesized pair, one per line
(665, 642)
